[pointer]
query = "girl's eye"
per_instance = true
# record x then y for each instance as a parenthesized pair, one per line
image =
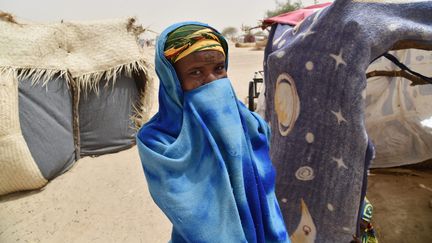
(195, 73)
(220, 68)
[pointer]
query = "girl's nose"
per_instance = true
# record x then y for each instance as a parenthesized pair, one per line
(210, 77)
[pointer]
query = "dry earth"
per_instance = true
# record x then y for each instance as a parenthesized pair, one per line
(402, 200)
(105, 199)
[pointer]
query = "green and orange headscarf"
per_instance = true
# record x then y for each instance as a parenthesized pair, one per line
(192, 38)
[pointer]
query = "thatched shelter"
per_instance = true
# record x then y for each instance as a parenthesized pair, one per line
(67, 90)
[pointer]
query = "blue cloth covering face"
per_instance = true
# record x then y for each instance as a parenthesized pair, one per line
(206, 161)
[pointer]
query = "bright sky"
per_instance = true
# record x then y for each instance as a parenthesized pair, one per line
(155, 14)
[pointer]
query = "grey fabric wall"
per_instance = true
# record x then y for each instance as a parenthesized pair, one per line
(46, 123)
(104, 119)
(105, 124)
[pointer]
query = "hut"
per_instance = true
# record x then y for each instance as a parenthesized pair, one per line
(67, 90)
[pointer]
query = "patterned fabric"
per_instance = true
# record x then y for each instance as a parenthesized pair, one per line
(191, 38)
(366, 229)
(315, 102)
(206, 160)
(369, 235)
(367, 210)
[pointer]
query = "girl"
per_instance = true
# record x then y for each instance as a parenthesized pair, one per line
(204, 154)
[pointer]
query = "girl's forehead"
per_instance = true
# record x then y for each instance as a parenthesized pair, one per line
(201, 58)
(207, 56)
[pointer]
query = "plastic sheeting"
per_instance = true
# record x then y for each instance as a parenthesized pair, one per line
(399, 116)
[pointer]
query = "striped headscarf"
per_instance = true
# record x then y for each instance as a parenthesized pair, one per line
(192, 38)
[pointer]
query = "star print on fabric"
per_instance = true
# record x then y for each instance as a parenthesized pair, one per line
(393, 26)
(307, 33)
(280, 54)
(339, 117)
(275, 42)
(338, 59)
(309, 30)
(340, 162)
(281, 43)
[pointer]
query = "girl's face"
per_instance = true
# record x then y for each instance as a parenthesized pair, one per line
(200, 68)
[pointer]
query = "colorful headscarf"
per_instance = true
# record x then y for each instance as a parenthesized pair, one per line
(191, 38)
(206, 161)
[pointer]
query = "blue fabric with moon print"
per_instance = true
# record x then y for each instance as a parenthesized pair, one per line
(315, 99)
(206, 161)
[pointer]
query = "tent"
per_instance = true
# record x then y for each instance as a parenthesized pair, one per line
(315, 99)
(67, 90)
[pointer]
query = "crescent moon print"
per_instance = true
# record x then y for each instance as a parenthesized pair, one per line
(306, 230)
(287, 103)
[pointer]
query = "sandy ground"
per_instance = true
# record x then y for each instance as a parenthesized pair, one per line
(105, 199)
(402, 200)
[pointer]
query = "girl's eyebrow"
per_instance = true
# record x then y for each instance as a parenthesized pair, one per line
(193, 69)
(201, 64)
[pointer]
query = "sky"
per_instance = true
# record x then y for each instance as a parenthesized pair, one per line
(155, 14)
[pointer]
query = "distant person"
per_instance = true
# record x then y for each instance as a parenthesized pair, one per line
(204, 154)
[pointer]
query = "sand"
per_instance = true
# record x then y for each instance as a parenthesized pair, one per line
(102, 199)
(402, 200)
(105, 199)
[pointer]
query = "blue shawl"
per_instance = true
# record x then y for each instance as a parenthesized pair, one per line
(206, 160)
